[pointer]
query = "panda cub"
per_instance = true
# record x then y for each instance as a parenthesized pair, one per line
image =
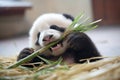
(49, 28)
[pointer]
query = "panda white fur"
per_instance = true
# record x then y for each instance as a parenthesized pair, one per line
(50, 27)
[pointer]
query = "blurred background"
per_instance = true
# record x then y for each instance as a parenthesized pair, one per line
(17, 16)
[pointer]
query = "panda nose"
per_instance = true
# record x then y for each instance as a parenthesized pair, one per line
(47, 38)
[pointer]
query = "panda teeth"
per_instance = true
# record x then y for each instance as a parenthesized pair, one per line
(54, 47)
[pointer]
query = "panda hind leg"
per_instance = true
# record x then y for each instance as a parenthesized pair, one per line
(83, 47)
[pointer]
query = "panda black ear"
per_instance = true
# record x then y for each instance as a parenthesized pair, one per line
(37, 43)
(68, 16)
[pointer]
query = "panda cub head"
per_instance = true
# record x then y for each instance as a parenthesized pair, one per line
(49, 28)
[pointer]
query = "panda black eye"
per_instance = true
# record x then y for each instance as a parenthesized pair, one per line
(57, 28)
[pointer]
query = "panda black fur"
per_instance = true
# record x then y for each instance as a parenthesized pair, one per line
(50, 27)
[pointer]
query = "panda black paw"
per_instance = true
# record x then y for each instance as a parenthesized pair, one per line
(24, 53)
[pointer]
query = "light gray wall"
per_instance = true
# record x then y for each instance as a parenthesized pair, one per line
(73, 7)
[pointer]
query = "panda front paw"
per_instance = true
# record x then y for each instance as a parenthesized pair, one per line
(24, 53)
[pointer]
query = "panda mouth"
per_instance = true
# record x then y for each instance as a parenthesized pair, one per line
(56, 46)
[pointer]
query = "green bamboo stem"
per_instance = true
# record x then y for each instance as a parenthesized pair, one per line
(28, 58)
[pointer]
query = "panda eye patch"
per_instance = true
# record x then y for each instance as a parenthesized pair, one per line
(57, 28)
(37, 43)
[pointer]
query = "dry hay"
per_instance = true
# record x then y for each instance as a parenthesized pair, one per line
(106, 69)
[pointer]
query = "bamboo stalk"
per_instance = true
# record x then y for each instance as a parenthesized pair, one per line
(28, 58)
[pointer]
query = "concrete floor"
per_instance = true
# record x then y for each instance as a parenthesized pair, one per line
(106, 39)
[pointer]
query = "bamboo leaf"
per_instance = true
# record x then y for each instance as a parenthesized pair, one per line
(75, 21)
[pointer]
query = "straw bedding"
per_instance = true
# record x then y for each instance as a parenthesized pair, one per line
(105, 69)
